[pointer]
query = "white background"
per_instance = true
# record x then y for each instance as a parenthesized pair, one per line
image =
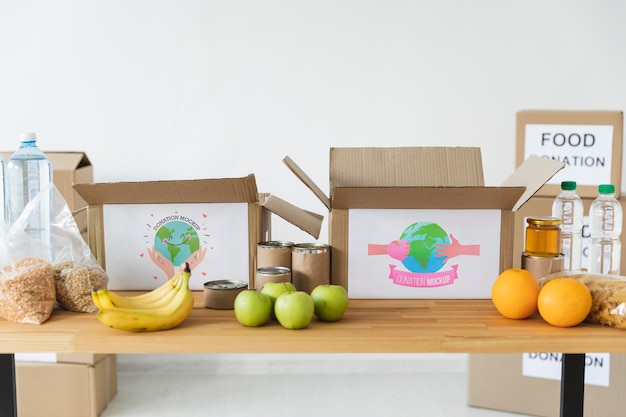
(188, 89)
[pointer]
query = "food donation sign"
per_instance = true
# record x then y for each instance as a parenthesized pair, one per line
(586, 150)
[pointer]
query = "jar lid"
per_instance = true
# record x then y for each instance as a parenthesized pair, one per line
(273, 270)
(310, 248)
(275, 244)
(225, 284)
(544, 221)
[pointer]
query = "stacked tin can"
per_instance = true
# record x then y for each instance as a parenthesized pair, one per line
(273, 262)
(305, 265)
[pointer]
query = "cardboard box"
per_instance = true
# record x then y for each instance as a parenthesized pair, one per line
(65, 389)
(141, 231)
(496, 381)
(377, 192)
(51, 357)
(70, 168)
(588, 142)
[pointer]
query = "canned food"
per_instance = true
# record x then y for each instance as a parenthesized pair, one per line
(221, 294)
(310, 265)
(271, 274)
(540, 266)
(274, 253)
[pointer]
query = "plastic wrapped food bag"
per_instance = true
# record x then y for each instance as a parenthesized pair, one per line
(74, 270)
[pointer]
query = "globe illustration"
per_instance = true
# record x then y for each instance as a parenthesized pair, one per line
(176, 241)
(423, 238)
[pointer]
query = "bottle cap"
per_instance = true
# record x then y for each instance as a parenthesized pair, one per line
(28, 136)
(606, 189)
(568, 185)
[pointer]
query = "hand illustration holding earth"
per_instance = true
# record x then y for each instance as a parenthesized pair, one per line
(454, 248)
(168, 267)
(399, 249)
(424, 247)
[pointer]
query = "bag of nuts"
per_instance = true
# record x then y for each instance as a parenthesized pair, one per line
(27, 293)
(74, 284)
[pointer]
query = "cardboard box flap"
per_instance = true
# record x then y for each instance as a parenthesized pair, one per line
(70, 161)
(397, 167)
(231, 190)
(308, 221)
(427, 197)
(406, 167)
(533, 173)
(302, 176)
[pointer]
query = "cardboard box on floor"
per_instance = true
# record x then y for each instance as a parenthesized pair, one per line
(66, 389)
(376, 191)
(496, 381)
(70, 168)
(138, 229)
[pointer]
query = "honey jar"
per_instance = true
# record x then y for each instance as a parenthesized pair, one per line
(543, 237)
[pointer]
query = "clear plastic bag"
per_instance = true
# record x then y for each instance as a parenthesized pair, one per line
(75, 271)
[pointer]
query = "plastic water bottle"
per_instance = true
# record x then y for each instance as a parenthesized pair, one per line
(3, 207)
(605, 224)
(27, 172)
(568, 207)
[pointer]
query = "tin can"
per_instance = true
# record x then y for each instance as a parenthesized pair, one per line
(543, 237)
(221, 294)
(540, 266)
(271, 274)
(310, 265)
(274, 253)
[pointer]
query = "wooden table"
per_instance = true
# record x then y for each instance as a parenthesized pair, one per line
(369, 326)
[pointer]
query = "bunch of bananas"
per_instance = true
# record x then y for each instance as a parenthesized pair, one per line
(160, 309)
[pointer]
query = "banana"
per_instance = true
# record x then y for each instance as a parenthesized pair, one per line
(156, 298)
(152, 319)
(101, 299)
(95, 296)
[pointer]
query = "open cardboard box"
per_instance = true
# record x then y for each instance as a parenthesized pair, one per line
(393, 209)
(141, 231)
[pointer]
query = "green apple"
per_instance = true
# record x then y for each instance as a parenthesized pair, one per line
(252, 308)
(330, 301)
(274, 289)
(294, 309)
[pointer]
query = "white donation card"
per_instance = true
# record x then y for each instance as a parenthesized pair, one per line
(423, 253)
(145, 243)
(548, 365)
(586, 150)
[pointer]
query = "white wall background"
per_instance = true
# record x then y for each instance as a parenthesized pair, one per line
(209, 89)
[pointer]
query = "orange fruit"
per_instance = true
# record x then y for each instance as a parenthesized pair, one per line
(564, 302)
(514, 293)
